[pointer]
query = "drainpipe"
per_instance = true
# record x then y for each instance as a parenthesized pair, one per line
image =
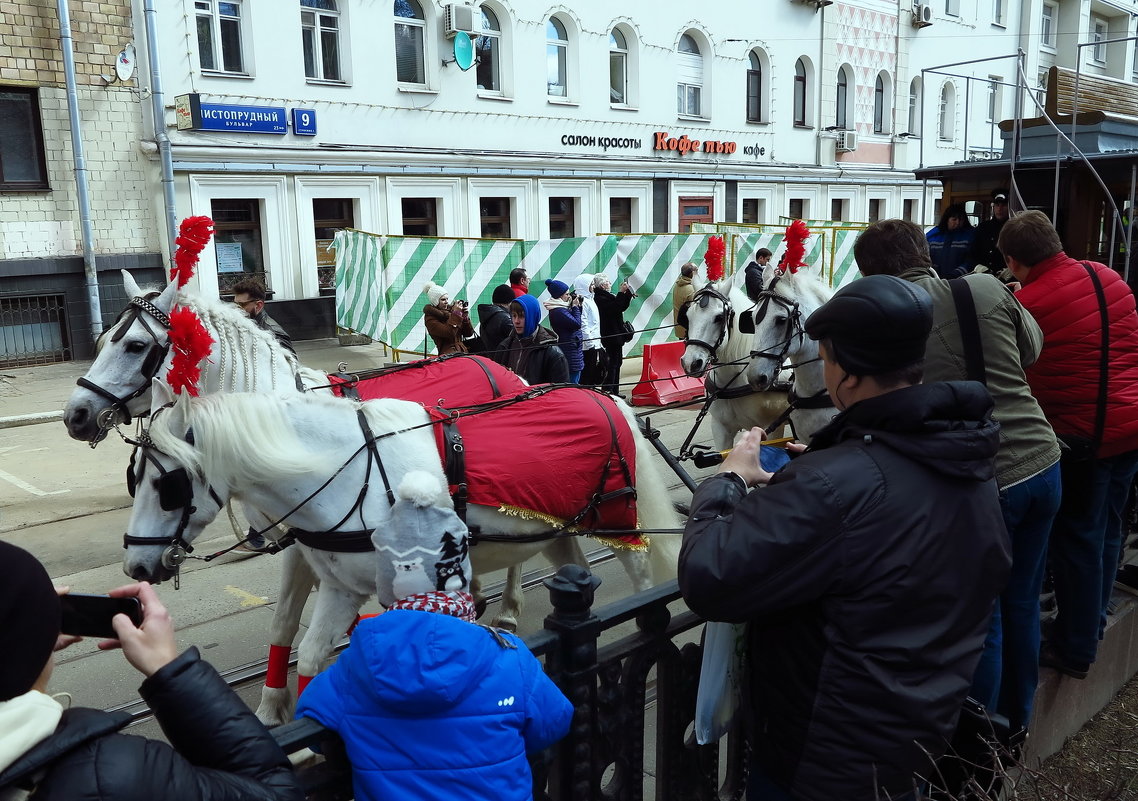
(158, 111)
(87, 234)
(818, 89)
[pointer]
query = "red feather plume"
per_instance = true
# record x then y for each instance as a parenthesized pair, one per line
(796, 234)
(713, 257)
(191, 344)
(193, 236)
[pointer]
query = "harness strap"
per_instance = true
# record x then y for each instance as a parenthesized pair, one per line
(335, 541)
(601, 497)
(373, 453)
(454, 461)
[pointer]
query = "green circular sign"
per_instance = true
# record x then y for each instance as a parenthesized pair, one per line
(463, 51)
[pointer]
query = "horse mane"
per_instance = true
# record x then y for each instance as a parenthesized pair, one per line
(240, 437)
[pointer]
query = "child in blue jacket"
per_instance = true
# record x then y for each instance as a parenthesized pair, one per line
(431, 705)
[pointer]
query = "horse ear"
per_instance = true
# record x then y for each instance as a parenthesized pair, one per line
(169, 295)
(129, 285)
(162, 393)
(768, 272)
(180, 414)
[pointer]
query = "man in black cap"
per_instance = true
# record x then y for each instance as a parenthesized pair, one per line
(984, 250)
(867, 568)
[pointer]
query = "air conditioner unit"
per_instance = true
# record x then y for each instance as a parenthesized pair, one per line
(458, 18)
(922, 15)
(847, 141)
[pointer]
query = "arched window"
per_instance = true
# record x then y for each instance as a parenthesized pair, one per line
(799, 92)
(880, 105)
(754, 88)
(410, 27)
(842, 98)
(557, 58)
(689, 86)
(947, 113)
(915, 107)
(618, 68)
(488, 48)
(320, 39)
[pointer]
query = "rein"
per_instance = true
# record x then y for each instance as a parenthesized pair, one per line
(794, 326)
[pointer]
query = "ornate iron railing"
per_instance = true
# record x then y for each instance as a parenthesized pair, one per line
(615, 683)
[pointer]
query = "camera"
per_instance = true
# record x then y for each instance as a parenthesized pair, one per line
(91, 615)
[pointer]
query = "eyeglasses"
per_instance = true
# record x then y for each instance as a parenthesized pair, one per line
(243, 303)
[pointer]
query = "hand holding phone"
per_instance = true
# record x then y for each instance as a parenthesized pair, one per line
(91, 615)
(149, 646)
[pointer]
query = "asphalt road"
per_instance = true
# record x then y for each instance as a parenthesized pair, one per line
(68, 505)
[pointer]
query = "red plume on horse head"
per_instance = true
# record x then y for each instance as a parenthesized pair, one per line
(713, 257)
(193, 236)
(796, 235)
(189, 339)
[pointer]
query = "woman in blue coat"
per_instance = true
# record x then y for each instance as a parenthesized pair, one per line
(565, 319)
(432, 707)
(950, 243)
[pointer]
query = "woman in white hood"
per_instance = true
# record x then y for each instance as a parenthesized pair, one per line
(596, 361)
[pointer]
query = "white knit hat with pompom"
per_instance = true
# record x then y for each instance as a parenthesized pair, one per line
(435, 293)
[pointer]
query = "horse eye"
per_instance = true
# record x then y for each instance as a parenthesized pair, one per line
(719, 318)
(135, 347)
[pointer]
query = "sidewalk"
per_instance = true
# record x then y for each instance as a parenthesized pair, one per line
(46, 388)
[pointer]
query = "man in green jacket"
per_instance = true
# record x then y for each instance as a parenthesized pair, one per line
(1027, 465)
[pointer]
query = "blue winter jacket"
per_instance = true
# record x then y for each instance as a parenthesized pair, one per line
(566, 323)
(432, 707)
(950, 251)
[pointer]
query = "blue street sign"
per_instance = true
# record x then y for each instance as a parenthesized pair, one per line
(304, 122)
(194, 115)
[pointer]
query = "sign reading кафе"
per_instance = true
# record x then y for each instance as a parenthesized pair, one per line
(194, 115)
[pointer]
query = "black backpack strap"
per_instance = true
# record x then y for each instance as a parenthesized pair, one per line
(969, 330)
(1104, 359)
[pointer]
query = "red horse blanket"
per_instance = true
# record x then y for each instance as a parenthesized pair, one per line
(543, 453)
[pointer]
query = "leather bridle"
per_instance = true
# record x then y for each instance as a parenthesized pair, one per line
(794, 323)
(702, 298)
(138, 310)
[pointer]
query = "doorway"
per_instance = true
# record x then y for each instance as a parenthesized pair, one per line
(696, 210)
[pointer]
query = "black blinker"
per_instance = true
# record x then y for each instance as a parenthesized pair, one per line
(747, 322)
(174, 490)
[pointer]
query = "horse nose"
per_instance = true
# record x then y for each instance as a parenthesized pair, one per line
(141, 573)
(77, 421)
(696, 367)
(758, 379)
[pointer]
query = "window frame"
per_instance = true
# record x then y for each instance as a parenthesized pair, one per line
(994, 98)
(411, 23)
(493, 39)
(1048, 19)
(841, 98)
(952, 8)
(508, 217)
(882, 116)
(1100, 32)
(618, 53)
(755, 96)
(999, 12)
(551, 46)
(38, 154)
(686, 91)
(429, 220)
(801, 94)
(217, 40)
(915, 92)
(571, 216)
(947, 113)
(318, 31)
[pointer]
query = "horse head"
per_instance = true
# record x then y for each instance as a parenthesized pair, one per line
(129, 354)
(779, 318)
(708, 319)
(173, 499)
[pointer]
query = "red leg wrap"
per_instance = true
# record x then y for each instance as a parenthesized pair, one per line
(277, 677)
(301, 683)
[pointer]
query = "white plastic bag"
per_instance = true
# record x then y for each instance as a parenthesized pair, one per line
(720, 680)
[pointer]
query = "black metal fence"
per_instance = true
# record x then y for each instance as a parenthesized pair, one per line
(33, 330)
(611, 678)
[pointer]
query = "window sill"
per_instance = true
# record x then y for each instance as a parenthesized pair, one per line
(501, 98)
(417, 90)
(803, 126)
(758, 122)
(622, 107)
(222, 74)
(998, 24)
(693, 118)
(325, 82)
(560, 101)
(1047, 48)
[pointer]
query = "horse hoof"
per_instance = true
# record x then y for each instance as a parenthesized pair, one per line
(277, 706)
(479, 608)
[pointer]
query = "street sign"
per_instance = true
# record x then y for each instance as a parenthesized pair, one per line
(194, 115)
(304, 122)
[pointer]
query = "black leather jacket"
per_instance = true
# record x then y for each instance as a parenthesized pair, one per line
(868, 570)
(220, 752)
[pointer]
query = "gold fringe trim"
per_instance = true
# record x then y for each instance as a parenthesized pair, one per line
(550, 520)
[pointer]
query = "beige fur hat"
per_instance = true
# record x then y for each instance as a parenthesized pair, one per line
(435, 293)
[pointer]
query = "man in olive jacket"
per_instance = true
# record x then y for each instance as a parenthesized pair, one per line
(867, 568)
(1027, 465)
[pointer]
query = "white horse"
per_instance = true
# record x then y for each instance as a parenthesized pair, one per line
(718, 351)
(779, 318)
(310, 468)
(243, 358)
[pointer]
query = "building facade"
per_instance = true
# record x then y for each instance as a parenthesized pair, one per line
(292, 119)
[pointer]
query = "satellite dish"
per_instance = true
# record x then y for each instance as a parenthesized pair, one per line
(463, 51)
(124, 63)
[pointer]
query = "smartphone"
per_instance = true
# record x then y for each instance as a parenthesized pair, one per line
(90, 615)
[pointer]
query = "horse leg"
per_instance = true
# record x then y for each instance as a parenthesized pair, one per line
(336, 608)
(297, 581)
(510, 609)
(638, 567)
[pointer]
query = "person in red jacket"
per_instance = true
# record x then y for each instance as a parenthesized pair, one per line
(1086, 538)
